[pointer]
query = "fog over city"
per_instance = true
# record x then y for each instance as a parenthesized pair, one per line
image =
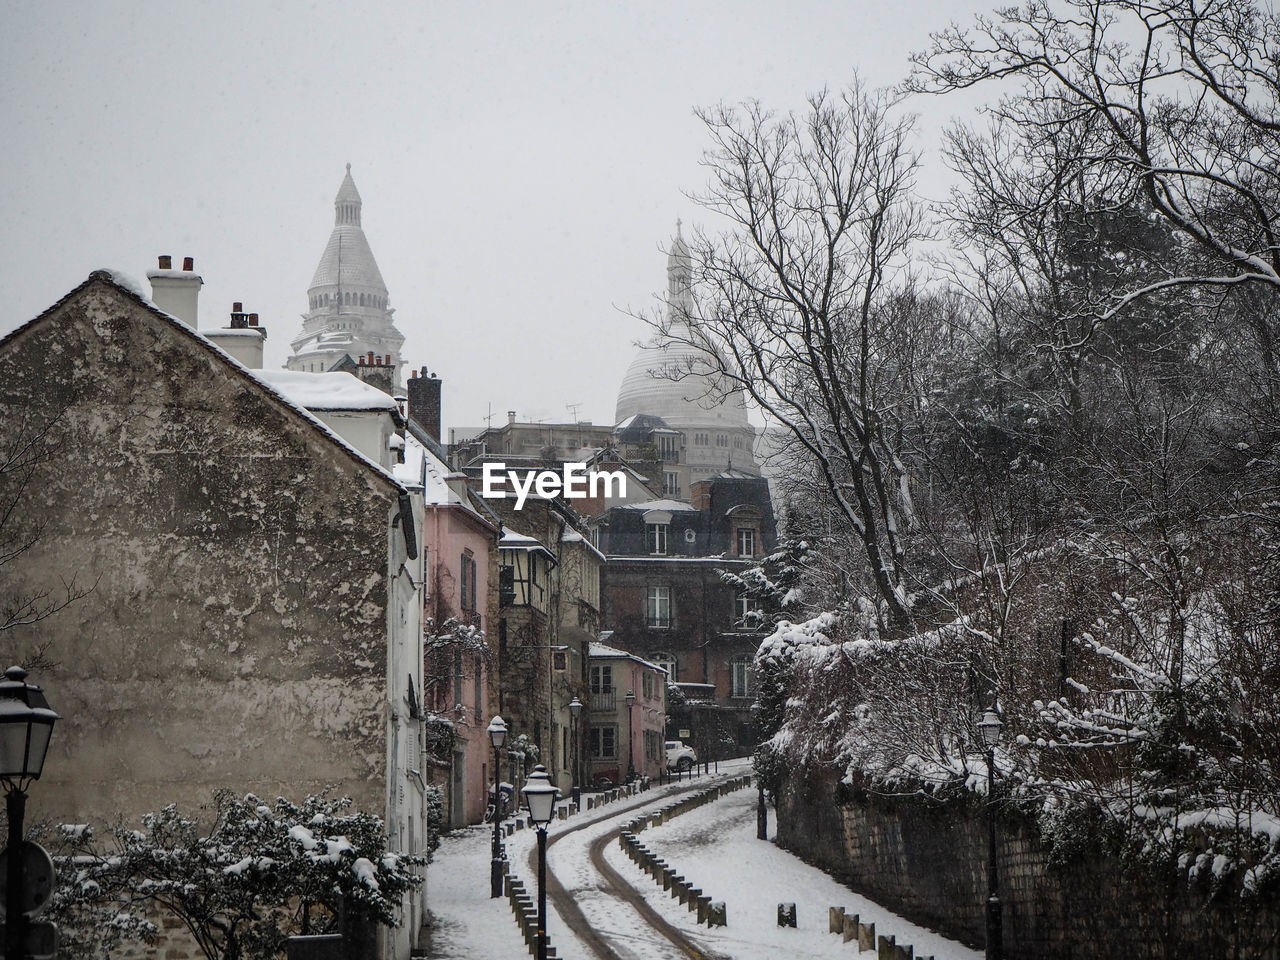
(522, 166)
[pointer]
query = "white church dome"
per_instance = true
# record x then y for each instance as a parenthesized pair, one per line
(347, 262)
(674, 380)
(689, 401)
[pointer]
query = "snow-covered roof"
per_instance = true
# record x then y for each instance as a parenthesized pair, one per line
(127, 285)
(571, 535)
(511, 540)
(604, 650)
(671, 505)
(326, 391)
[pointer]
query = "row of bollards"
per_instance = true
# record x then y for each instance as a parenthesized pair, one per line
(850, 927)
(711, 912)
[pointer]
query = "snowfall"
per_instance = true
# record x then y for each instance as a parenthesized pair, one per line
(714, 846)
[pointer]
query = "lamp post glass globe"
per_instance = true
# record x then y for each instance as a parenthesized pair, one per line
(575, 707)
(540, 796)
(497, 732)
(989, 728)
(26, 726)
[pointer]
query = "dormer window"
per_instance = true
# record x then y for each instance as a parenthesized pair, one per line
(657, 529)
(744, 524)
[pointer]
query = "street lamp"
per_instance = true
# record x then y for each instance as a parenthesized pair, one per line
(575, 710)
(631, 734)
(26, 724)
(989, 728)
(497, 736)
(540, 797)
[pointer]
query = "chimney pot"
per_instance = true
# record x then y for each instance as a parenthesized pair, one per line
(237, 307)
(253, 319)
(413, 375)
(166, 261)
(511, 416)
(188, 263)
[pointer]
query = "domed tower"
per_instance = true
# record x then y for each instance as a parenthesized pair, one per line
(349, 313)
(674, 381)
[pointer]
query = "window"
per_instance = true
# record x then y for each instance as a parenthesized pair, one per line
(646, 685)
(604, 743)
(746, 542)
(658, 608)
(667, 662)
(743, 677)
(467, 581)
(671, 483)
(601, 678)
(457, 677)
(746, 610)
(479, 668)
(652, 745)
(602, 696)
(656, 537)
(667, 448)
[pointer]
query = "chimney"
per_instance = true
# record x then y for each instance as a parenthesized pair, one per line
(511, 416)
(241, 337)
(424, 403)
(176, 291)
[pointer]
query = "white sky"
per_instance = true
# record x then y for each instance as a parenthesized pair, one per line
(522, 165)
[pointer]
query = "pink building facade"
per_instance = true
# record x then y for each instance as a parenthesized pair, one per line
(626, 722)
(460, 546)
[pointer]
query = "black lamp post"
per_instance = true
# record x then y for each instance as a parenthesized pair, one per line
(989, 728)
(575, 710)
(26, 724)
(631, 734)
(497, 736)
(540, 797)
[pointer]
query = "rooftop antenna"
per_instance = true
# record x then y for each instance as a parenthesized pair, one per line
(488, 420)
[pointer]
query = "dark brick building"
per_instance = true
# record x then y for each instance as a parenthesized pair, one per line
(663, 600)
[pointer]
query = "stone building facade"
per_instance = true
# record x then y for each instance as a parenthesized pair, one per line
(245, 606)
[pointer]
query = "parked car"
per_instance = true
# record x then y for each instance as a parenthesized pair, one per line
(680, 757)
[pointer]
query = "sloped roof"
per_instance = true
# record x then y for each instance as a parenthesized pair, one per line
(127, 288)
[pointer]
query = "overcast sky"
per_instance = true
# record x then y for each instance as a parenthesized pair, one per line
(522, 165)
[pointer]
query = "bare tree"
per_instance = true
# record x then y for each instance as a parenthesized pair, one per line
(1181, 96)
(796, 301)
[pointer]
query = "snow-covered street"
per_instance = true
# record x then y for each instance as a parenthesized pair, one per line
(715, 846)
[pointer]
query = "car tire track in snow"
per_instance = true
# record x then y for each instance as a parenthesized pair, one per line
(607, 883)
(633, 897)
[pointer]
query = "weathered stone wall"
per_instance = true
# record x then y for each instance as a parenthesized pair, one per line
(928, 862)
(233, 632)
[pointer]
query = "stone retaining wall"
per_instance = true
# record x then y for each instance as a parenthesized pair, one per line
(928, 862)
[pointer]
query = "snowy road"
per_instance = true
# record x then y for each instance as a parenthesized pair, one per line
(714, 845)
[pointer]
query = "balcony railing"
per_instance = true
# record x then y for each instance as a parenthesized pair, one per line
(603, 702)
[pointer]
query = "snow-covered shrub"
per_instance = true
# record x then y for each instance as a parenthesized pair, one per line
(242, 884)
